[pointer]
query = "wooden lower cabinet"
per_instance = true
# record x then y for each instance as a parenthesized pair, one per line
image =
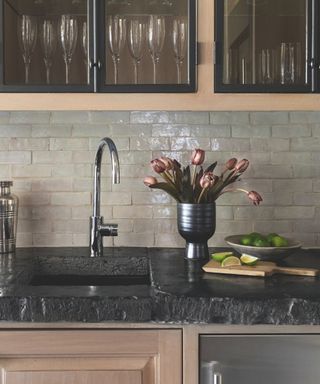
(91, 357)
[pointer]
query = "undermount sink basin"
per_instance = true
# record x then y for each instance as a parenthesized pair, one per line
(75, 268)
(91, 280)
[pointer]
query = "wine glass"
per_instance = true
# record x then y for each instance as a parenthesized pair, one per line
(27, 35)
(136, 36)
(68, 36)
(48, 39)
(179, 39)
(84, 45)
(156, 37)
(116, 34)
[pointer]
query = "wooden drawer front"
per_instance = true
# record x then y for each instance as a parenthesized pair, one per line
(91, 357)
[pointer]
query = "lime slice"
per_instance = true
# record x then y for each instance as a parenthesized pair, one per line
(248, 259)
(220, 256)
(230, 261)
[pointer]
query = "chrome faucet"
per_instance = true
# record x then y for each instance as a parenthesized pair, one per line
(97, 228)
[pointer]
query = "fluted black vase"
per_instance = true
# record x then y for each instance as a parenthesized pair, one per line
(196, 224)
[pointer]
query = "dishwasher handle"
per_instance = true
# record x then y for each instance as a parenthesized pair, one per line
(217, 378)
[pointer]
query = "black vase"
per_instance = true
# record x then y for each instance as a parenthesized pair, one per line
(196, 224)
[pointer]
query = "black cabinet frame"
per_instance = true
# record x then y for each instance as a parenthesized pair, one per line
(96, 23)
(313, 59)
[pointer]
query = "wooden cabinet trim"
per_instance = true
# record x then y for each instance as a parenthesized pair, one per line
(203, 100)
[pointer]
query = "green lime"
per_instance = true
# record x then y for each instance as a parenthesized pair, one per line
(279, 241)
(261, 243)
(230, 261)
(246, 240)
(271, 236)
(220, 256)
(248, 259)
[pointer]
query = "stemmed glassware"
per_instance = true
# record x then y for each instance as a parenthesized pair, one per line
(48, 39)
(156, 37)
(27, 34)
(179, 39)
(136, 39)
(84, 45)
(68, 29)
(116, 35)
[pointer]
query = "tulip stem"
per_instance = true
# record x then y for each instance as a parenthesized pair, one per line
(233, 190)
(168, 179)
(194, 177)
(202, 194)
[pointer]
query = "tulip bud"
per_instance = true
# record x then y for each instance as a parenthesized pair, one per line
(255, 197)
(242, 165)
(231, 163)
(208, 180)
(158, 166)
(150, 180)
(197, 157)
(167, 162)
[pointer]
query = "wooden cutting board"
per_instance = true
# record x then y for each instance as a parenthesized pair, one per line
(261, 269)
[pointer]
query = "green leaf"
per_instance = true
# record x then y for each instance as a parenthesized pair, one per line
(211, 167)
(186, 188)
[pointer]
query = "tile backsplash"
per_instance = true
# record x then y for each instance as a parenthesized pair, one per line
(50, 155)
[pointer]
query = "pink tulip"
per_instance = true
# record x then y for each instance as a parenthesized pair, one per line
(255, 197)
(167, 162)
(231, 163)
(197, 157)
(208, 180)
(242, 165)
(158, 165)
(150, 180)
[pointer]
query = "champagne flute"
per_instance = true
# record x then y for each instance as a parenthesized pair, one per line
(179, 39)
(136, 35)
(68, 37)
(48, 38)
(27, 35)
(84, 45)
(156, 37)
(116, 34)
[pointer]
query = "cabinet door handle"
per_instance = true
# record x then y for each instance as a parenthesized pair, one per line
(217, 378)
(95, 64)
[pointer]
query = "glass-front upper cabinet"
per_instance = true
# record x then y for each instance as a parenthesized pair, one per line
(46, 45)
(97, 45)
(149, 45)
(265, 46)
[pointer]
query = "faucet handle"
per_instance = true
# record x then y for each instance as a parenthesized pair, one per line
(108, 229)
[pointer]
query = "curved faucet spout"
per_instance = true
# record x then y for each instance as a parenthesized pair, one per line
(97, 171)
(98, 228)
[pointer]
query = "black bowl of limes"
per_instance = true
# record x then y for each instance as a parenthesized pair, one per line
(271, 247)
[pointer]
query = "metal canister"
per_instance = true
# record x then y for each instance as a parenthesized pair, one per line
(8, 218)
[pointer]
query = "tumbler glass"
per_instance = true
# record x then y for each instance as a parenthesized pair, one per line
(267, 67)
(287, 63)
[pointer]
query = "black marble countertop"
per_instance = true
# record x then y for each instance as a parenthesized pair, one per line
(179, 292)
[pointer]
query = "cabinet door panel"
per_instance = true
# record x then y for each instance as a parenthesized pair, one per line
(263, 46)
(91, 357)
(69, 377)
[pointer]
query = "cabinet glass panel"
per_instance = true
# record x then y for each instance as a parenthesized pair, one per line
(45, 43)
(264, 43)
(251, 359)
(147, 42)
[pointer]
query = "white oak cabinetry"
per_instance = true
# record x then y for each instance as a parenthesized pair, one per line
(91, 357)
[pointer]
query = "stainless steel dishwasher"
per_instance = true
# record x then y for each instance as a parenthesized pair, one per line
(260, 359)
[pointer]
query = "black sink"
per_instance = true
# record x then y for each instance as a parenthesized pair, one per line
(91, 280)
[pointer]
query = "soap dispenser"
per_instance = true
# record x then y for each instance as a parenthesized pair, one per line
(8, 218)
